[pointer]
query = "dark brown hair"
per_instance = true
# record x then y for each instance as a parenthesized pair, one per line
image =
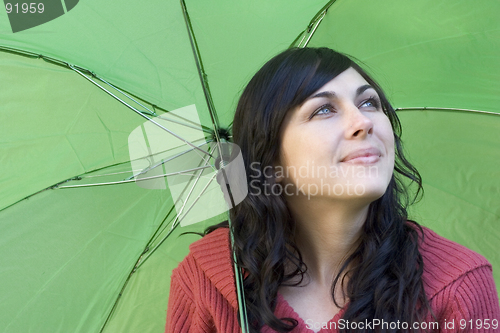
(385, 274)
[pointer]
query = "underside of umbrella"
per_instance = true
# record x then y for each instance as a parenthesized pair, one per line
(94, 258)
(79, 258)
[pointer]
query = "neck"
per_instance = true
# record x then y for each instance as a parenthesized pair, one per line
(327, 232)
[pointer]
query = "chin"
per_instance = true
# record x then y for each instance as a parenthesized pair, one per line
(367, 192)
(373, 196)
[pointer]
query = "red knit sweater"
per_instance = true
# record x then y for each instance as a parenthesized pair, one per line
(458, 282)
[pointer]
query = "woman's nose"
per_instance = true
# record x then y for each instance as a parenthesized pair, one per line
(358, 125)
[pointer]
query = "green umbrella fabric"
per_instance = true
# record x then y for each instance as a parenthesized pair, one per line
(69, 254)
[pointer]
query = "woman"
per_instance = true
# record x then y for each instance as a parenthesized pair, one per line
(323, 237)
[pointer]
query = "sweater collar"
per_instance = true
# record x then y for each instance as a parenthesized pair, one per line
(213, 255)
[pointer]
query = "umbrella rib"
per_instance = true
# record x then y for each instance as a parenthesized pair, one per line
(196, 200)
(68, 66)
(203, 76)
(175, 223)
(143, 258)
(424, 108)
(128, 171)
(312, 26)
(163, 162)
(173, 114)
(186, 125)
(151, 112)
(45, 189)
(128, 279)
(133, 180)
(188, 196)
(199, 66)
(177, 219)
(160, 228)
(215, 123)
(57, 185)
(140, 112)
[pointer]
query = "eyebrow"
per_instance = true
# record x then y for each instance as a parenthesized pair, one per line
(331, 94)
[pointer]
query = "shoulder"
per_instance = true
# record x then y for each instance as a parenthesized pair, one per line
(202, 289)
(446, 262)
(209, 253)
(210, 262)
(458, 281)
(214, 243)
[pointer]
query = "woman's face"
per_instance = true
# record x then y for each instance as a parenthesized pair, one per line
(338, 144)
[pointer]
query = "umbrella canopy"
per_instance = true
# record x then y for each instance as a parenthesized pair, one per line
(71, 255)
(69, 252)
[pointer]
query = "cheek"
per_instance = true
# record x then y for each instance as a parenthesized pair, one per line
(296, 146)
(386, 132)
(387, 136)
(391, 152)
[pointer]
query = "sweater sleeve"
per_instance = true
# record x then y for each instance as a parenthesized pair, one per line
(180, 307)
(184, 313)
(473, 305)
(202, 290)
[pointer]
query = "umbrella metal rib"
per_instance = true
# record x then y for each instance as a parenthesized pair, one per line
(64, 64)
(183, 124)
(140, 112)
(174, 223)
(152, 112)
(203, 77)
(181, 210)
(425, 108)
(133, 180)
(163, 162)
(215, 123)
(144, 114)
(311, 28)
(139, 171)
(161, 228)
(148, 252)
(177, 221)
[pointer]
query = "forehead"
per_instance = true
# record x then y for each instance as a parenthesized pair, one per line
(345, 83)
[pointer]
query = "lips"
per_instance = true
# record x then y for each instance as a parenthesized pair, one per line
(363, 156)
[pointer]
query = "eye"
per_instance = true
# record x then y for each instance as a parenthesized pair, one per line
(323, 110)
(371, 102)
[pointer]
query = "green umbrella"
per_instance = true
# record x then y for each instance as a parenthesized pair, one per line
(73, 258)
(70, 254)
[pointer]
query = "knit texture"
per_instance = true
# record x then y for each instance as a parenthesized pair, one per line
(458, 282)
